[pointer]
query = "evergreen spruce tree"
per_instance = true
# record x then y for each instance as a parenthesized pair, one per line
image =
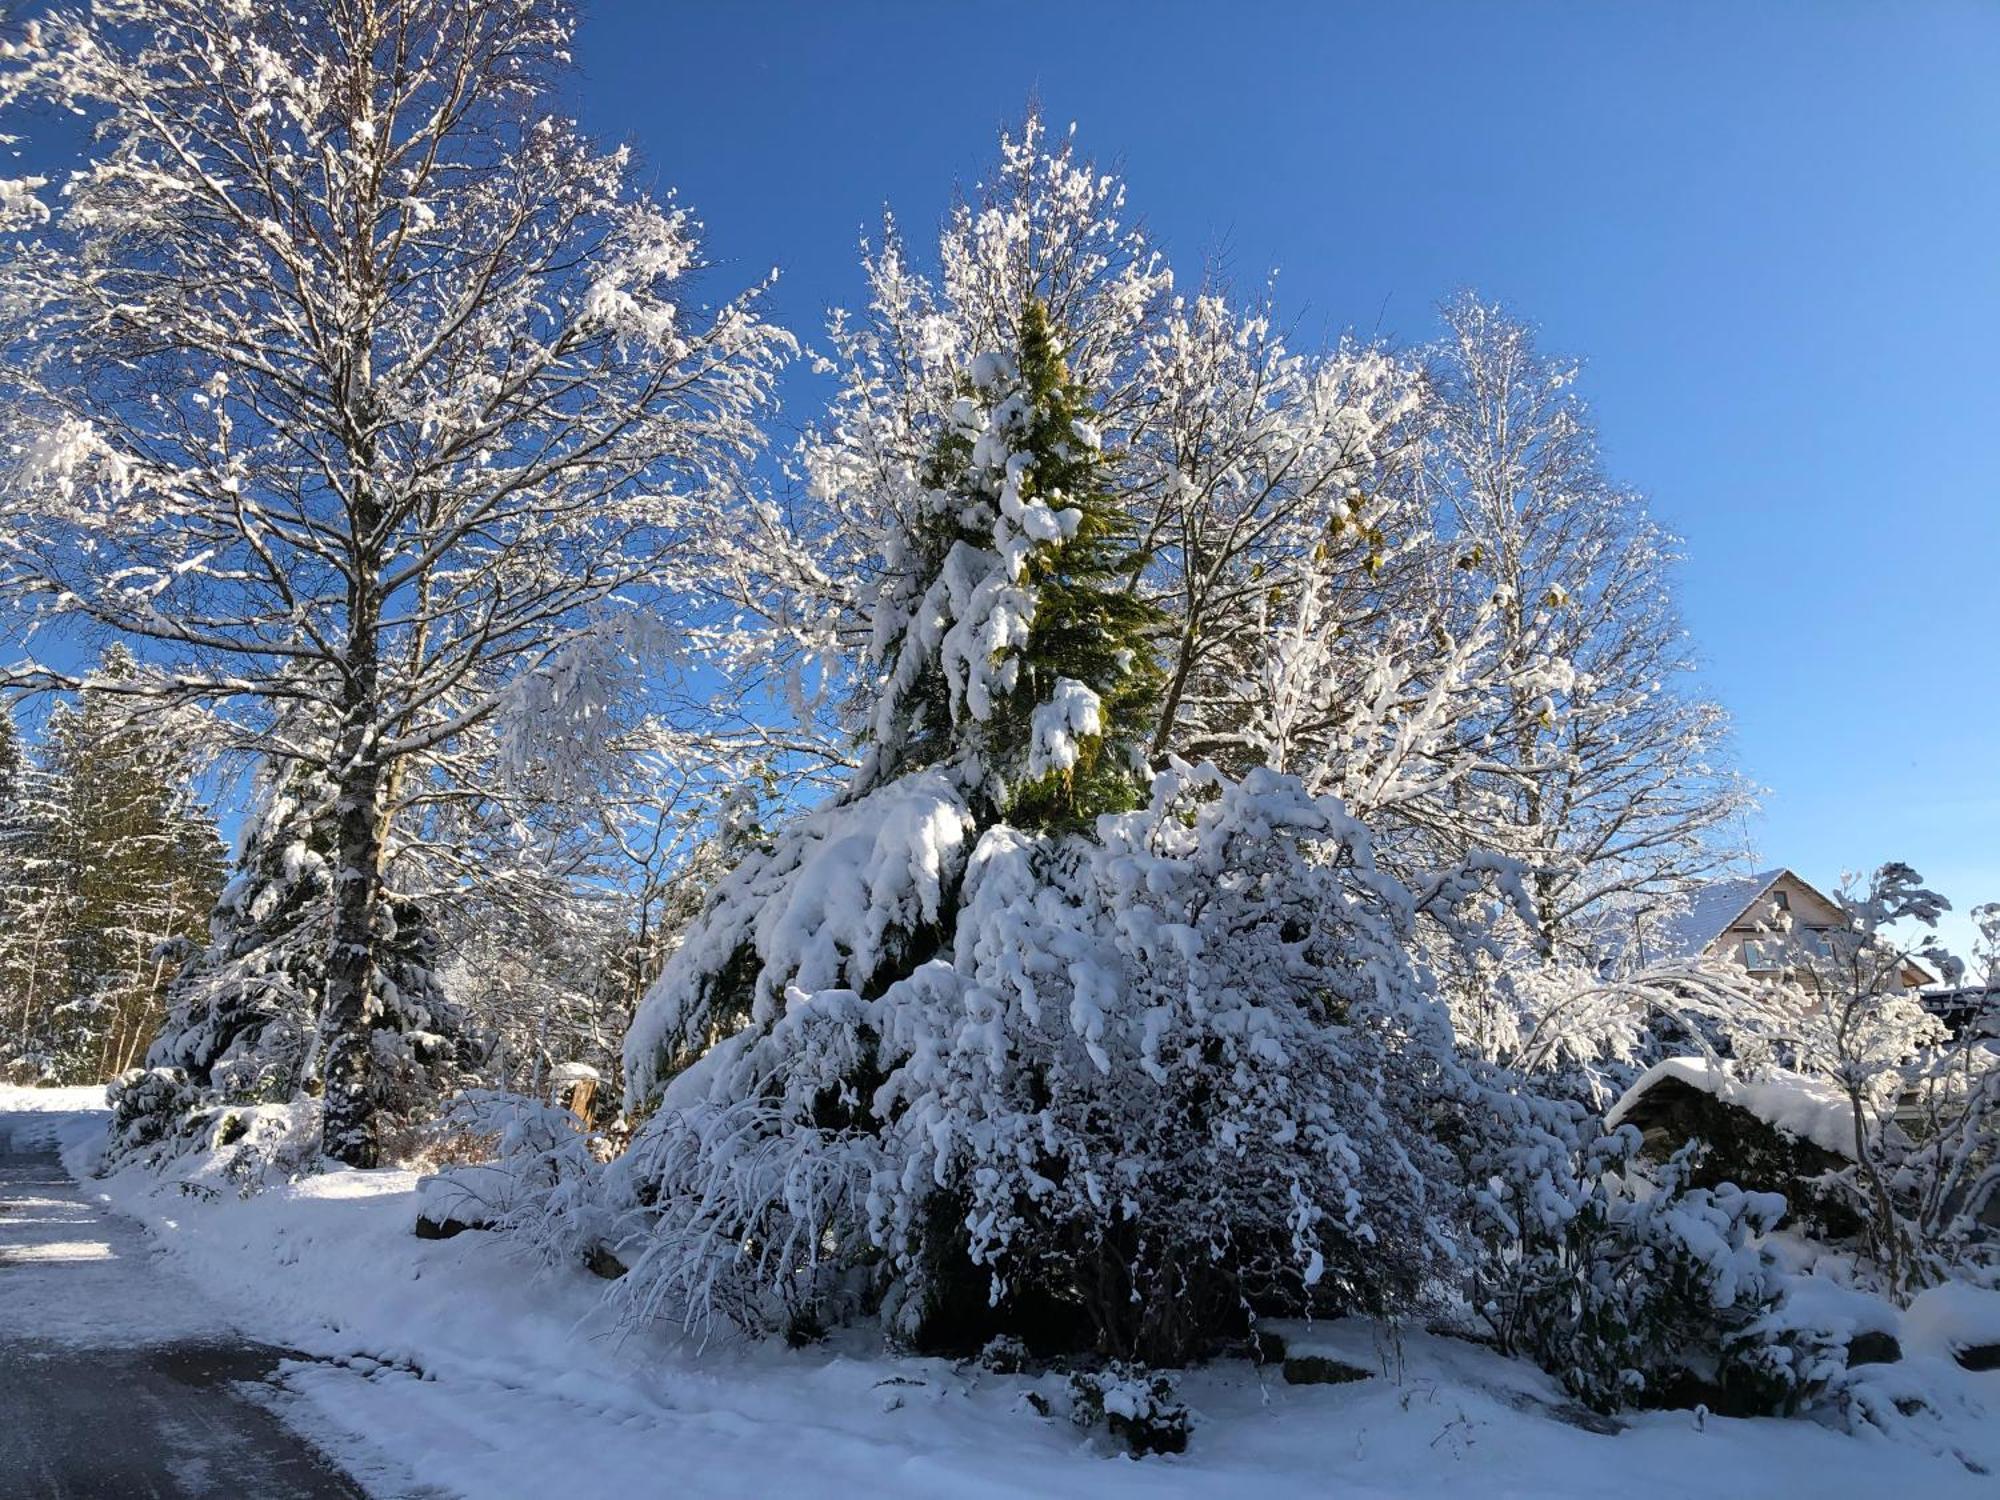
(10, 772)
(1016, 679)
(1018, 650)
(243, 1007)
(247, 1021)
(1068, 737)
(108, 863)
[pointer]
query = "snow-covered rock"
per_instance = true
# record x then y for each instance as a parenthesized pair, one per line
(1806, 1108)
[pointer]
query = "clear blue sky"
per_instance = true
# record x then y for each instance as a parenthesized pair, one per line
(1773, 232)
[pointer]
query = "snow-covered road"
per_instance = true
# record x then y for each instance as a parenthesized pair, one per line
(117, 1377)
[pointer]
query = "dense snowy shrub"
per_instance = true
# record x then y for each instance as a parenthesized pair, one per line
(1137, 1407)
(540, 1183)
(148, 1106)
(1157, 1081)
(161, 1120)
(1643, 1292)
(259, 1146)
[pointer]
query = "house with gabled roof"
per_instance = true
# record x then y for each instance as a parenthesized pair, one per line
(1741, 919)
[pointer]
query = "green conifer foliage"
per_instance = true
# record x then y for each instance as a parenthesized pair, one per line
(247, 1011)
(1090, 624)
(1025, 653)
(18, 907)
(113, 864)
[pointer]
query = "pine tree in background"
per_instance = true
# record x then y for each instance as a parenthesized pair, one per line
(34, 918)
(23, 910)
(10, 774)
(110, 863)
(144, 865)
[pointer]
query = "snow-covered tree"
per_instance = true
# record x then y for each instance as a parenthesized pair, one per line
(1600, 765)
(1404, 579)
(1922, 1109)
(1238, 458)
(1279, 528)
(1122, 1081)
(973, 697)
(248, 1019)
(1045, 232)
(110, 864)
(1013, 651)
(359, 388)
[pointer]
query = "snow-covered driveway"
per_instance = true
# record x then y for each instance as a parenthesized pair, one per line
(117, 1377)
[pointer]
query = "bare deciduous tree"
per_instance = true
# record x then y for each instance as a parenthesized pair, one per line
(349, 378)
(1604, 770)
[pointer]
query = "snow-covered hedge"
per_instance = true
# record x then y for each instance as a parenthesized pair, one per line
(1639, 1290)
(165, 1123)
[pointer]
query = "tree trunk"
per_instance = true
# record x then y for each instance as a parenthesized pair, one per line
(347, 1129)
(347, 1132)
(348, 1126)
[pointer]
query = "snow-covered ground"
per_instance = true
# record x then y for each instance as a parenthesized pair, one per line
(95, 1300)
(118, 1377)
(453, 1367)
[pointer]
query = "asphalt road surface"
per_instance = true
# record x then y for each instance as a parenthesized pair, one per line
(117, 1380)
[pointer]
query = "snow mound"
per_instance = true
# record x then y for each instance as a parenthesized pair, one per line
(1952, 1316)
(1807, 1108)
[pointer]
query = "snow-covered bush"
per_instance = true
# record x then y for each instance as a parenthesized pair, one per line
(1152, 1083)
(258, 1146)
(148, 1105)
(540, 1183)
(1139, 1408)
(160, 1120)
(1638, 1291)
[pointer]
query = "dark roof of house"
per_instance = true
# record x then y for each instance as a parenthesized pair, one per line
(1711, 910)
(1965, 1009)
